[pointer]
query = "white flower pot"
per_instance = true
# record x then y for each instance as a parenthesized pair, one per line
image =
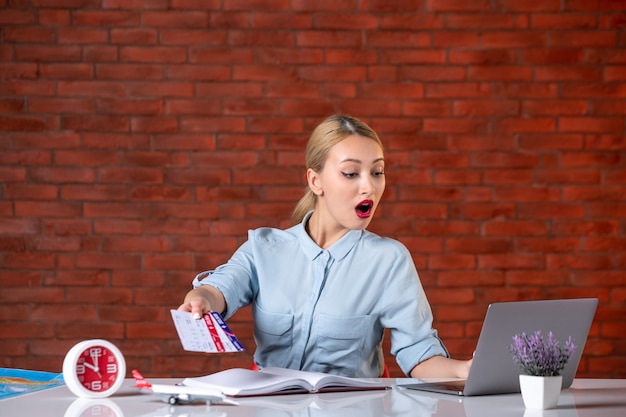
(540, 392)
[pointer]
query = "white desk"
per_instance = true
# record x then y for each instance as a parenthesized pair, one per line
(586, 397)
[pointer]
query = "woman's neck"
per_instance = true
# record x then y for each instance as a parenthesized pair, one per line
(322, 234)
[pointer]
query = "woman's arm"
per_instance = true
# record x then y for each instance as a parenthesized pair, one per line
(442, 367)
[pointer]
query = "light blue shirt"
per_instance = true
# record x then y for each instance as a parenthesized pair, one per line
(326, 310)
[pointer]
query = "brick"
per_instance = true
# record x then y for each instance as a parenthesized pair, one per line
(193, 37)
(447, 125)
(515, 40)
(107, 18)
(27, 123)
(45, 208)
(54, 17)
(31, 192)
(583, 39)
(263, 20)
(29, 35)
(595, 90)
(198, 72)
(556, 73)
(458, 5)
(90, 330)
(541, 56)
(76, 36)
(499, 73)
(451, 261)
(590, 124)
(64, 227)
(48, 53)
(196, 4)
(135, 36)
(100, 53)
(457, 90)
(610, 108)
(320, 108)
(39, 141)
(29, 330)
(590, 159)
(528, 5)
(61, 312)
(161, 194)
(115, 210)
(188, 243)
(320, 38)
(184, 19)
(468, 21)
(152, 54)
(578, 261)
(134, 107)
(482, 57)
(427, 73)
(155, 124)
(230, 56)
(12, 175)
(18, 17)
(12, 70)
(482, 278)
(563, 21)
(128, 71)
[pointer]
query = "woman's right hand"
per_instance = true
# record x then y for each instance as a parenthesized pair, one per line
(196, 302)
(202, 300)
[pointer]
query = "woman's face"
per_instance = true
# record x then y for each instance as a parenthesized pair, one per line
(351, 184)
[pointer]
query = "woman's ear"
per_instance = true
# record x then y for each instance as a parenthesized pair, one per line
(313, 179)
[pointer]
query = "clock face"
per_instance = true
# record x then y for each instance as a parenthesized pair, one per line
(94, 369)
(97, 368)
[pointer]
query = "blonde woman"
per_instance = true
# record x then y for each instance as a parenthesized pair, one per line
(323, 291)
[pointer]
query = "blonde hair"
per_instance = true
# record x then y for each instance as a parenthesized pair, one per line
(326, 135)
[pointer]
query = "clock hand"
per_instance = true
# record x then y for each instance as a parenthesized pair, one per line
(94, 358)
(93, 368)
(90, 366)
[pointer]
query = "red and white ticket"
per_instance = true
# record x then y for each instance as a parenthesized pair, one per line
(209, 334)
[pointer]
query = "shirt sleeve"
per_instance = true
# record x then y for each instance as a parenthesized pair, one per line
(408, 315)
(236, 279)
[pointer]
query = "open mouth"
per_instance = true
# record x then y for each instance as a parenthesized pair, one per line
(364, 208)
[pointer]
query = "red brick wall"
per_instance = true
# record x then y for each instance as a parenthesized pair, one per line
(139, 140)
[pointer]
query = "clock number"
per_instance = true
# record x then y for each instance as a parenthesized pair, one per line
(96, 385)
(80, 368)
(96, 410)
(111, 368)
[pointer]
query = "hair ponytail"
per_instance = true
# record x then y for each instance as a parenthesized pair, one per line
(306, 204)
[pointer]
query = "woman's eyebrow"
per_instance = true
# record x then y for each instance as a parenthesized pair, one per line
(358, 161)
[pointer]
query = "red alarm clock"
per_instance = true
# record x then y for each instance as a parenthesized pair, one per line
(94, 368)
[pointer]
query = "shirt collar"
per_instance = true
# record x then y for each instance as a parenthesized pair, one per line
(338, 250)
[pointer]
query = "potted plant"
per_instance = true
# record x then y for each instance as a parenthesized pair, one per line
(542, 361)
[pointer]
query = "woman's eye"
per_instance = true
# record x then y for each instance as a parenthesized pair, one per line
(379, 173)
(349, 174)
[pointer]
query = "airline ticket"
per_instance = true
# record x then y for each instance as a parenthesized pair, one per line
(209, 334)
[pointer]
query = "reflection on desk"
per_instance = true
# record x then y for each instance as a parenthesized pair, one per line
(586, 398)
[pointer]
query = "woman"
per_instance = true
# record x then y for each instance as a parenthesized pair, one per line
(324, 290)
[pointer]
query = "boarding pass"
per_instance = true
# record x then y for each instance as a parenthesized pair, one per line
(209, 334)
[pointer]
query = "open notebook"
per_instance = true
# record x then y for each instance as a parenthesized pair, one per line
(493, 370)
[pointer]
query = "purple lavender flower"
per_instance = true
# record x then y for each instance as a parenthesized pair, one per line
(540, 357)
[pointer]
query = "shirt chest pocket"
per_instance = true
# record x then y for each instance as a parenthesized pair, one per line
(273, 333)
(343, 340)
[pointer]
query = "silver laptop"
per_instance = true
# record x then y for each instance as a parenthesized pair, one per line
(493, 370)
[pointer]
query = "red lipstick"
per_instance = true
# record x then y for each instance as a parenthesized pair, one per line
(364, 209)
